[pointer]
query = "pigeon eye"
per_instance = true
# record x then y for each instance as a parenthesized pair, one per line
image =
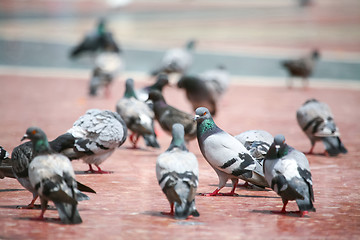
(33, 132)
(204, 113)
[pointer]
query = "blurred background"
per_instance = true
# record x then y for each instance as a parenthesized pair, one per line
(250, 37)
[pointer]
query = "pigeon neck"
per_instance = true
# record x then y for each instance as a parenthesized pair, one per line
(129, 93)
(206, 128)
(177, 143)
(41, 146)
(275, 153)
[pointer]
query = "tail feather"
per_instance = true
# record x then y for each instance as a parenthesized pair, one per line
(68, 213)
(187, 205)
(150, 141)
(334, 146)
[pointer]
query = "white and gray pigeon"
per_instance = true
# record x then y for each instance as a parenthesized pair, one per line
(161, 81)
(257, 142)
(176, 60)
(94, 137)
(205, 89)
(302, 67)
(287, 171)
(21, 157)
(226, 155)
(317, 121)
(52, 176)
(177, 172)
(138, 116)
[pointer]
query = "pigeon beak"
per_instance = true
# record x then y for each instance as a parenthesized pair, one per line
(196, 117)
(24, 137)
(277, 146)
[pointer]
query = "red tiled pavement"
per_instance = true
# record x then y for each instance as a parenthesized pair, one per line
(129, 201)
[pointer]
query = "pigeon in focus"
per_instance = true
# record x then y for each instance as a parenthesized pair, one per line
(93, 138)
(138, 116)
(257, 142)
(287, 171)
(205, 89)
(302, 67)
(96, 41)
(167, 116)
(176, 60)
(177, 172)
(317, 121)
(226, 155)
(161, 81)
(52, 176)
(21, 157)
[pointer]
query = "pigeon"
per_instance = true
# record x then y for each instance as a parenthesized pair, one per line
(176, 60)
(52, 176)
(302, 67)
(226, 155)
(107, 66)
(167, 115)
(177, 172)
(95, 41)
(317, 121)
(143, 93)
(5, 164)
(21, 157)
(94, 137)
(206, 88)
(288, 173)
(257, 142)
(138, 116)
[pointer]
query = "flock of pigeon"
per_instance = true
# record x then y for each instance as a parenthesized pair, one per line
(44, 167)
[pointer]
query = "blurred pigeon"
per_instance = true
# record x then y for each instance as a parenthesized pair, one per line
(176, 60)
(21, 157)
(5, 164)
(206, 88)
(302, 67)
(138, 116)
(95, 41)
(257, 142)
(317, 121)
(52, 176)
(226, 155)
(107, 66)
(177, 172)
(143, 93)
(167, 115)
(94, 137)
(287, 171)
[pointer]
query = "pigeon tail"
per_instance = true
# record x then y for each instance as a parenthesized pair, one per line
(187, 205)
(68, 213)
(150, 141)
(334, 146)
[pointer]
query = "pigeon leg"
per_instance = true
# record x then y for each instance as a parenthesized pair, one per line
(232, 193)
(311, 149)
(134, 138)
(101, 171)
(283, 211)
(215, 193)
(31, 204)
(91, 170)
(43, 209)
(245, 185)
(171, 213)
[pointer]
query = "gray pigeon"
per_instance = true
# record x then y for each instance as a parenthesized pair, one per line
(138, 116)
(5, 164)
(226, 155)
(94, 137)
(52, 176)
(98, 40)
(317, 121)
(143, 93)
(205, 89)
(288, 173)
(176, 60)
(167, 115)
(21, 157)
(302, 67)
(257, 142)
(177, 172)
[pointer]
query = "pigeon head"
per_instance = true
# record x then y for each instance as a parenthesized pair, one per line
(190, 44)
(202, 113)
(315, 54)
(129, 88)
(156, 95)
(279, 141)
(162, 81)
(279, 148)
(39, 140)
(177, 141)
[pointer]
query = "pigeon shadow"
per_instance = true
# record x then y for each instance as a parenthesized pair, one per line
(36, 207)
(92, 173)
(249, 187)
(156, 214)
(287, 214)
(239, 195)
(11, 190)
(45, 219)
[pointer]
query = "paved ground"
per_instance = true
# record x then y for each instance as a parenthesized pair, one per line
(129, 201)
